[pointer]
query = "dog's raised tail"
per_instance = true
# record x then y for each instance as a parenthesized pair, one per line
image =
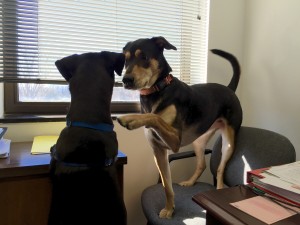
(235, 66)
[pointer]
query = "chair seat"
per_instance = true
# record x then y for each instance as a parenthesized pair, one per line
(186, 213)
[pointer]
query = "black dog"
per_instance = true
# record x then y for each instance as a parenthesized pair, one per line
(85, 185)
(175, 114)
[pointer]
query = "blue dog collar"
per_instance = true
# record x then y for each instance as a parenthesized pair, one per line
(98, 126)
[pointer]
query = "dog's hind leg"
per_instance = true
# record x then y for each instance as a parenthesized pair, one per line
(199, 147)
(228, 135)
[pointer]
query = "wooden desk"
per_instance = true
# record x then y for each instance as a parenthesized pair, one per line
(219, 212)
(25, 187)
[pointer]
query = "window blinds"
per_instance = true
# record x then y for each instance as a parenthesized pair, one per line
(36, 33)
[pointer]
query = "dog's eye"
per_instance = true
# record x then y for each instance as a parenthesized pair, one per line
(143, 56)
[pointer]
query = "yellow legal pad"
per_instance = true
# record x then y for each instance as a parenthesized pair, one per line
(42, 144)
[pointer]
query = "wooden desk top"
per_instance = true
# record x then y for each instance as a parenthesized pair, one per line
(216, 202)
(21, 162)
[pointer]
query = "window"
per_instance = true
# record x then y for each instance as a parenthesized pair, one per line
(36, 33)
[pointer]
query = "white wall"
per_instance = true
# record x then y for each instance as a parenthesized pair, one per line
(271, 80)
(226, 32)
(264, 36)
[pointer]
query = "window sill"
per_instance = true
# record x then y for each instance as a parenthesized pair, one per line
(38, 118)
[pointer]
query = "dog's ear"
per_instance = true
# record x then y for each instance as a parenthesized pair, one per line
(114, 61)
(119, 63)
(162, 43)
(126, 46)
(67, 66)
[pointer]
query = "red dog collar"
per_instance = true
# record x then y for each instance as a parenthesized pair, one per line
(158, 86)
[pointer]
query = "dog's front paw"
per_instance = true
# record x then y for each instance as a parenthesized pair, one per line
(130, 122)
(166, 213)
(122, 121)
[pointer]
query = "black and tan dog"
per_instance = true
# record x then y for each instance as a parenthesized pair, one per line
(85, 185)
(175, 114)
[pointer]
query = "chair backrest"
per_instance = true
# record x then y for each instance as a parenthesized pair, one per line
(254, 148)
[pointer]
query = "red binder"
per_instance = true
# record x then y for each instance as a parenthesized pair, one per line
(255, 173)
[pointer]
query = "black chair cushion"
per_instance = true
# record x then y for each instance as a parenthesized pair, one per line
(187, 212)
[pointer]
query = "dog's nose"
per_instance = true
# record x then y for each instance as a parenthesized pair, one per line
(128, 80)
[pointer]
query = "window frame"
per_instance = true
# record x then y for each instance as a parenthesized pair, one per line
(13, 106)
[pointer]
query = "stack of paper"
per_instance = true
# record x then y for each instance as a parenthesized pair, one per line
(282, 182)
(286, 176)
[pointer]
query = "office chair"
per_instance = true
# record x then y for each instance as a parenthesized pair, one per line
(255, 148)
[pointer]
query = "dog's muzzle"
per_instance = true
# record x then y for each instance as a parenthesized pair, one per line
(128, 82)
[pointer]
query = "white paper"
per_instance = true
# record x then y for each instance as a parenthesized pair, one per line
(286, 176)
(288, 172)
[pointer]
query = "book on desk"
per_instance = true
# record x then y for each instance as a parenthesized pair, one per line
(42, 144)
(276, 182)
